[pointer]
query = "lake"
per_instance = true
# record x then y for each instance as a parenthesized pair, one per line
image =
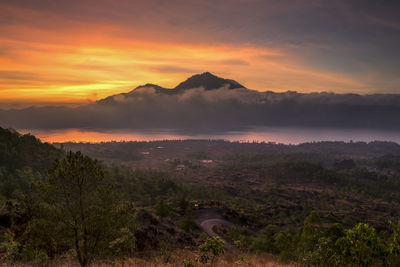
(285, 135)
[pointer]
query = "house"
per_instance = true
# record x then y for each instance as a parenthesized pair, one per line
(180, 167)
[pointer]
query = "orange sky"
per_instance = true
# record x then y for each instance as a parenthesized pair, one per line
(81, 72)
(53, 56)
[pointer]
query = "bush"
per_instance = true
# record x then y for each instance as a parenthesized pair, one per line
(187, 222)
(394, 245)
(361, 246)
(8, 247)
(211, 249)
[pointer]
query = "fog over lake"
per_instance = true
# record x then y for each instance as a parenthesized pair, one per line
(285, 135)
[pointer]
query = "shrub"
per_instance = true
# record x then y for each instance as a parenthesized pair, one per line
(211, 249)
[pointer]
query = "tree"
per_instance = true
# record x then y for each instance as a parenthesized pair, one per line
(361, 246)
(283, 243)
(309, 234)
(265, 241)
(183, 203)
(211, 249)
(334, 232)
(8, 247)
(394, 245)
(79, 210)
(187, 222)
(162, 209)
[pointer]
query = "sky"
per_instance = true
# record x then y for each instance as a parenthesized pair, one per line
(74, 52)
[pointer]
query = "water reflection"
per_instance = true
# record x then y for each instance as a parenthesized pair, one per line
(285, 135)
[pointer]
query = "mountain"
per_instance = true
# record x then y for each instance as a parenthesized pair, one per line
(206, 80)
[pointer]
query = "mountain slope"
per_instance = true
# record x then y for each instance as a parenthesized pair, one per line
(205, 80)
(23, 159)
(19, 151)
(208, 81)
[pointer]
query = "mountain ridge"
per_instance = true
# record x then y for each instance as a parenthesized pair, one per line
(206, 80)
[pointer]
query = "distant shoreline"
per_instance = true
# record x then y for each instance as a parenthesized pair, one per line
(283, 135)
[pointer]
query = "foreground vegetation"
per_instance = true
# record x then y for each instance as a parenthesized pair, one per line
(302, 205)
(313, 245)
(179, 257)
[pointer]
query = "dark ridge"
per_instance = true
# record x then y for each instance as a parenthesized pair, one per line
(208, 81)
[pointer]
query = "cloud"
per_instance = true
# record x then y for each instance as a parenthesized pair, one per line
(17, 75)
(174, 69)
(222, 109)
(233, 62)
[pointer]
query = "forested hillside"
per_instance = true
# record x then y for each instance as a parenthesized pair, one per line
(318, 204)
(47, 195)
(23, 159)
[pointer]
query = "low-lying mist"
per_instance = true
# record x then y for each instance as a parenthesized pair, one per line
(223, 109)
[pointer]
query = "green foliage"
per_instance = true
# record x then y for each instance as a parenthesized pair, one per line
(77, 208)
(162, 209)
(8, 247)
(23, 159)
(394, 245)
(283, 243)
(240, 237)
(313, 220)
(142, 186)
(188, 263)
(18, 151)
(34, 254)
(361, 246)
(124, 244)
(50, 222)
(183, 203)
(323, 254)
(212, 248)
(334, 232)
(309, 234)
(165, 250)
(187, 222)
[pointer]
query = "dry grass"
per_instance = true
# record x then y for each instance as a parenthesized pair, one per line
(230, 259)
(227, 260)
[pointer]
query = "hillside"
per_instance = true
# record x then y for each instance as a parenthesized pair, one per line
(344, 182)
(23, 159)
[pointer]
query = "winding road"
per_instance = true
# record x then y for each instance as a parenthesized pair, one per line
(208, 225)
(207, 219)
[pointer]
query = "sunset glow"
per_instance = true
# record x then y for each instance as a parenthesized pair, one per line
(199, 132)
(87, 72)
(284, 135)
(67, 54)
